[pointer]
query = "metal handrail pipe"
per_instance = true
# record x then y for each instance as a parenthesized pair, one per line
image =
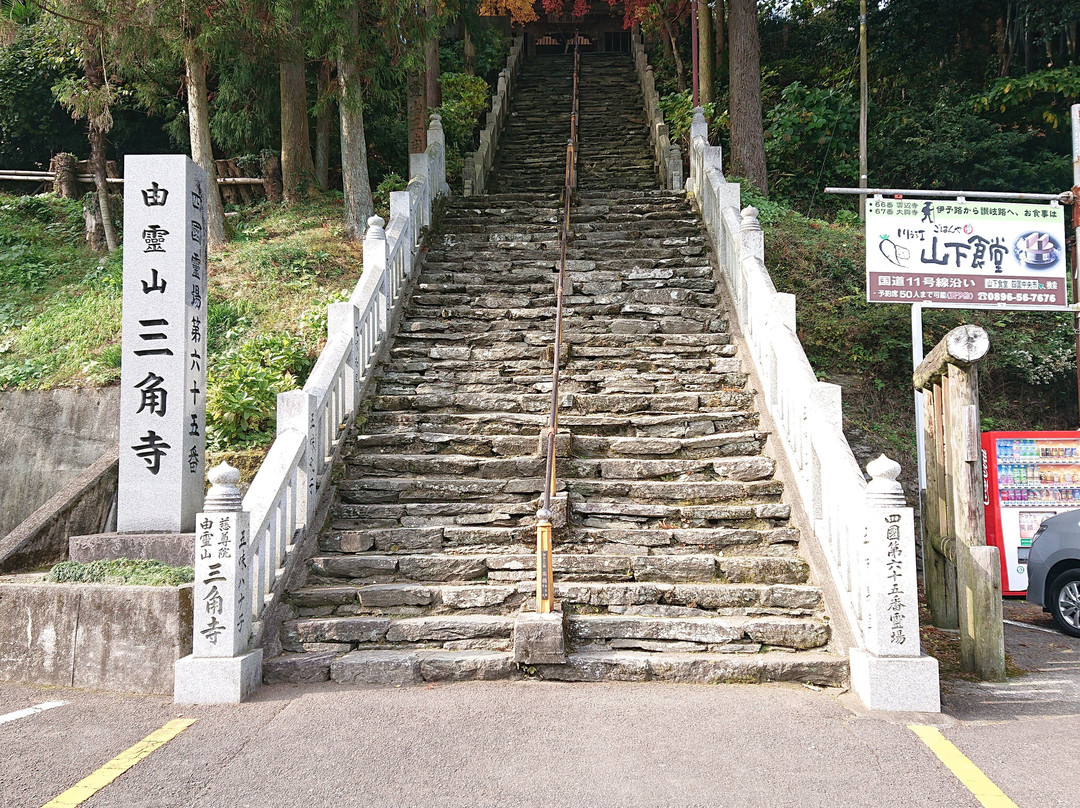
(545, 600)
(1065, 197)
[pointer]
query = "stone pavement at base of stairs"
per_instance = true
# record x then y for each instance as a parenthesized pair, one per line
(524, 743)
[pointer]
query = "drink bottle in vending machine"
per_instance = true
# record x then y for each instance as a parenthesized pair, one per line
(1027, 477)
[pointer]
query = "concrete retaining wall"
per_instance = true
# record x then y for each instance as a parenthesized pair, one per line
(48, 438)
(122, 638)
(82, 506)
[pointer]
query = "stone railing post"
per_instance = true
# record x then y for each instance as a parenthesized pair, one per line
(675, 167)
(221, 669)
(437, 138)
(344, 319)
(890, 672)
(375, 260)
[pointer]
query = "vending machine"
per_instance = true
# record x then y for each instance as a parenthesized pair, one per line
(1027, 477)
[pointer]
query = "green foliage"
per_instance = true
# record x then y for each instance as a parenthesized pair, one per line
(243, 384)
(125, 571)
(678, 109)
(492, 47)
(227, 321)
(381, 194)
(1042, 97)
(60, 310)
(33, 127)
(465, 99)
(811, 141)
(945, 144)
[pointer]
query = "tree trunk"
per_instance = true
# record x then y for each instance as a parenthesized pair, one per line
(354, 170)
(322, 126)
(66, 181)
(202, 150)
(431, 57)
(706, 59)
(680, 69)
(747, 133)
(95, 79)
(297, 167)
(470, 52)
(720, 41)
(416, 91)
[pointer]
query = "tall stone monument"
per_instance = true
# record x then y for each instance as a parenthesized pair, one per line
(163, 372)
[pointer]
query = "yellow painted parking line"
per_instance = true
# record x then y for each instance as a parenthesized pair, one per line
(966, 772)
(92, 784)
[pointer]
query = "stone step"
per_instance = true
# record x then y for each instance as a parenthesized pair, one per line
(570, 403)
(686, 425)
(326, 572)
(696, 634)
(417, 442)
(741, 535)
(421, 335)
(441, 380)
(391, 667)
(366, 517)
(451, 632)
(400, 612)
(817, 668)
(603, 514)
(370, 490)
(405, 667)
(741, 469)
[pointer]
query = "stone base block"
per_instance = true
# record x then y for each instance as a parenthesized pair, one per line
(898, 684)
(217, 680)
(539, 639)
(174, 549)
(377, 668)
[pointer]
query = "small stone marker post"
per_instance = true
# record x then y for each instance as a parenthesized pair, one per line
(220, 669)
(163, 373)
(891, 673)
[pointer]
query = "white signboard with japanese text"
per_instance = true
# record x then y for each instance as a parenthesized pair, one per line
(163, 371)
(971, 255)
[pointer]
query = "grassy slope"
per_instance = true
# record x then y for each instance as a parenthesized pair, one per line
(60, 310)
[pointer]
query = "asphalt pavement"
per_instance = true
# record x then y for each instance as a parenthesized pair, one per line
(556, 744)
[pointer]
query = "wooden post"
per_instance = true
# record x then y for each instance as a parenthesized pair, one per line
(939, 574)
(66, 182)
(962, 575)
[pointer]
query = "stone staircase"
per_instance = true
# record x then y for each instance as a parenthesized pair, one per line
(532, 148)
(674, 557)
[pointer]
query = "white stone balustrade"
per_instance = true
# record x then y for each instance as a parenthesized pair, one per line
(478, 164)
(869, 549)
(667, 155)
(282, 502)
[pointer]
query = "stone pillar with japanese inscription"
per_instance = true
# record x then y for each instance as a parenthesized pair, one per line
(890, 672)
(163, 372)
(221, 669)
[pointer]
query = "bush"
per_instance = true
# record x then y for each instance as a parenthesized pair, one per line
(811, 141)
(241, 400)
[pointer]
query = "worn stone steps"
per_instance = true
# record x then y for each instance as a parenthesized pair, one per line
(670, 425)
(743, 469)
(425, 443)
(593, 384)
(675, 559)
(393, 667)
(571, 403)
(397, 602)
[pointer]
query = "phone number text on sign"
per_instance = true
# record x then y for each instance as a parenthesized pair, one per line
(965, 255)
